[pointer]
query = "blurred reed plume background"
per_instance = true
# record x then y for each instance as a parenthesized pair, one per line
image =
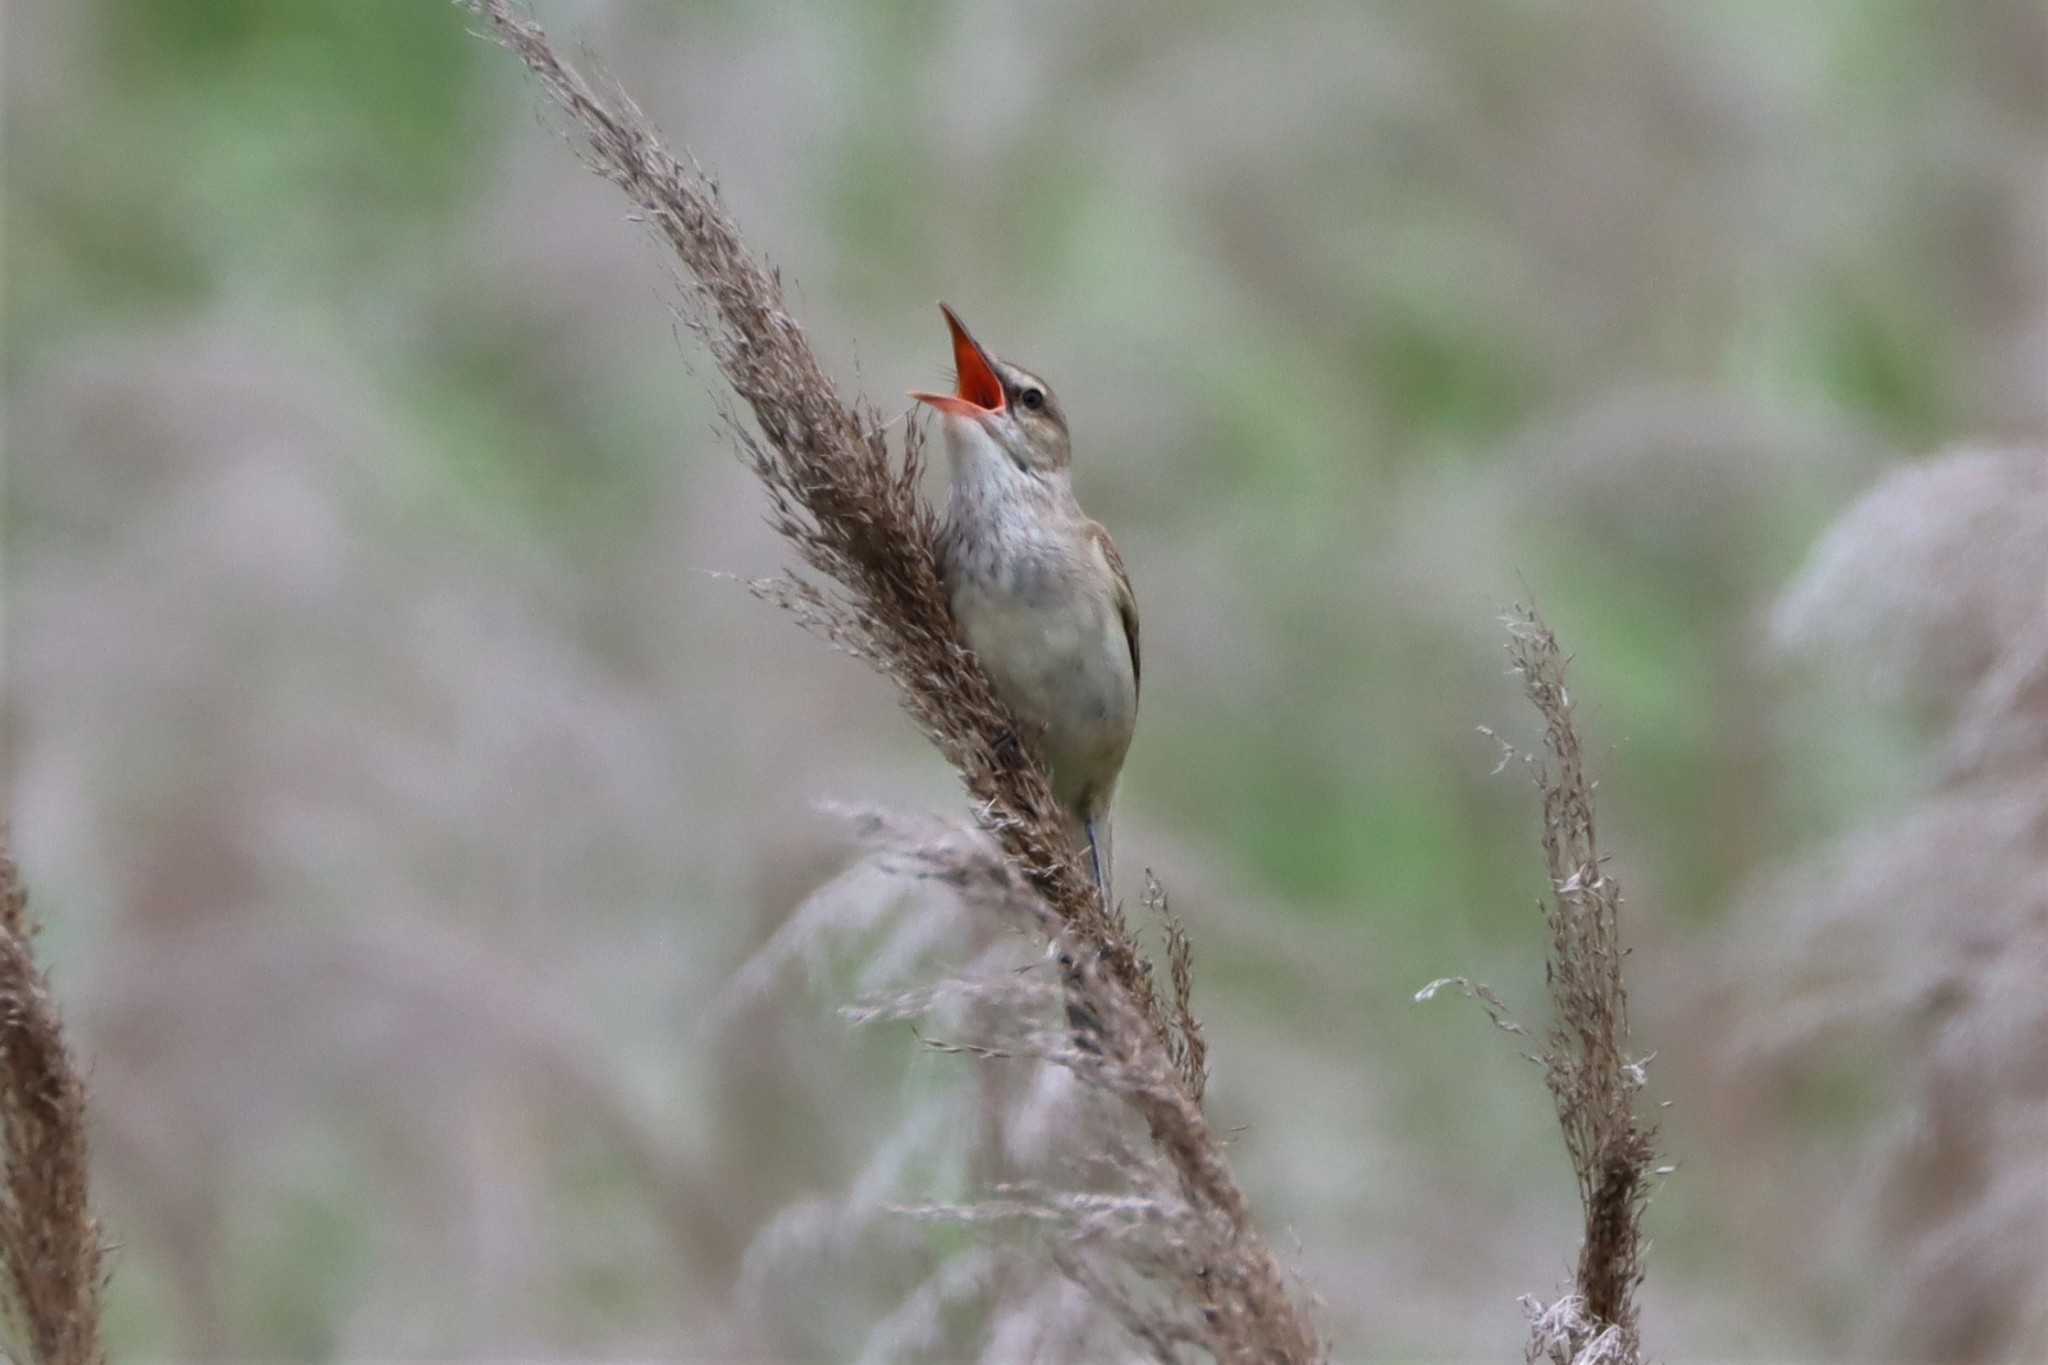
(416, 823)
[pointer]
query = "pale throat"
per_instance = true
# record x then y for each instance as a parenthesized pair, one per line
(986, 480)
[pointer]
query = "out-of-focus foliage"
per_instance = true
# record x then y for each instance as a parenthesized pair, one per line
(400, 790)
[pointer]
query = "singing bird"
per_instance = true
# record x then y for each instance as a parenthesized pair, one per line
(1038, 588)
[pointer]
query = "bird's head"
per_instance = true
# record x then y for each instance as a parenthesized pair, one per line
(1012, 407)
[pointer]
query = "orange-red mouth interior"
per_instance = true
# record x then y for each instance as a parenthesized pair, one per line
(978, 389)
(978, 383)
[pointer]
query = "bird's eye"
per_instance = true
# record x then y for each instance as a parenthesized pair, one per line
(1033, 398)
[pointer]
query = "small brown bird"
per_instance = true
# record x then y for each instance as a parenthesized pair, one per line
(1036, 586)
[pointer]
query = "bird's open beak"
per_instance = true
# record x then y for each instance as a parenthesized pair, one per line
(980, 392)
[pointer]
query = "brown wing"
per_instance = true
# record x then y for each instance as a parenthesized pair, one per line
(1126, 601)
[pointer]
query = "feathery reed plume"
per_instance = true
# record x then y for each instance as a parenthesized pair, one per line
(49, 1240)
(1586, 1063)
(859, 523)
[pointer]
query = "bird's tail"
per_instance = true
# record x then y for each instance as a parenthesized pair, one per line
(1095, 829)
(1089, 832)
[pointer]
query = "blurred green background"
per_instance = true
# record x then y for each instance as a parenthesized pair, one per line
(401, 786)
